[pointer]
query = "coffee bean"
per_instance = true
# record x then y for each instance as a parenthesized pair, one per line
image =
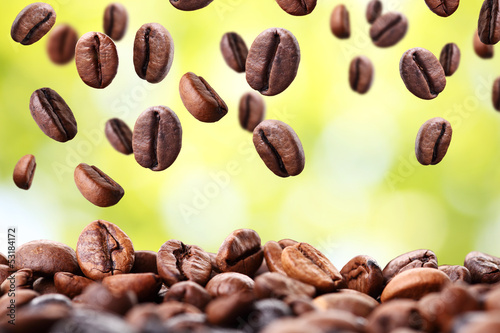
(272, 253)
(96, 186)
(40, 318)
(373, 10)
(115, 21)
(334, 321)
(456, 273)
(264, 312)
(145, 318)
(352, 301)
(188, 292)
(24, 171)
(234, 50)
(153, 52)
(180, 262)
(288, 325)
(119, 135)
(362, 273)
(91, 321)
(433, 140)
(495, 96)
(229, 310)
(273, 61)
(443, 8)
(252, 111)
(286, 242)
(484, 51)
(488, 25)
(22, 298)
(172, 309)
(229, 283)
(477, 322)
(144, 285)
(157, 138)
(32, 23)
(297, 7)
(103, 249)
(21, 279)
(450, 58)
(96, 59)
(361, 74)
(53, 115)
(189, 5)
(70, 284)
(98, 297)
(388, 29)
(200, 99)
(145, 262)
(279, 147)
(422, 73)
(339, 22)
(400, 313)
(45, 285)
(484, 268)
(275, 285)
(409, 260)
(305, 263)
(61, 44)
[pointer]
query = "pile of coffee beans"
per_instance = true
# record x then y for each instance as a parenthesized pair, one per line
(285, 286)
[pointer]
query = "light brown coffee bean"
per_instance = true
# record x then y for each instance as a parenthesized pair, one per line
(229, 283)
(24, 171)
(352, 301)
(188, 292)
(272, 253)
(339, 22)
(252, 111)
(96, 186)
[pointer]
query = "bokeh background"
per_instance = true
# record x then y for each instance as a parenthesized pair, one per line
(362, 190)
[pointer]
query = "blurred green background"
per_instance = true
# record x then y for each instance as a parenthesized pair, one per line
(362, 190)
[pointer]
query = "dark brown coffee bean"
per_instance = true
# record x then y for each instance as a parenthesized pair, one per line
(188, 292)
(373, 10)
(240, 252)
(484, 51)
(180, 262)
(153, 52)
(144, 285)
(402, 313)
(99, 298)
(70, 284)
(495, 96)
(157, 138)
(252, 111)
(200, 99)
(234, 50)
(229, 283)
(115, 21)
(272, 253)
(24, 171)
(362, 273)
(388, 29)
(483, 267)
(264, 312)
(443, 8)
(409, 260)
(352, 301)
(44, 285)
(488, 25)
(273, 61)
(279, 147)
(96, 186)
(61, 44)
(335, 321)
(361, 74)
(450, 58)
(32, 23)
(227, 310)
(305, 263)
(433, 140)
(297, 7)
(275, 285)
(189, 5)
(456, 273)
(145, 262)
(96, 59)
(103, 249)
(53, 115)
(300, 304)
(339, 22)
(119, 135)
(422, 73)
(21, 279)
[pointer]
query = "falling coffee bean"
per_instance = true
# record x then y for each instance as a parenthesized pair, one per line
(279, 147)
(433, 140)
(96, 186)
(450, 58)
(388, 29)
(422, 73)
(373, 10)
(119, 135)
(115, 21)
(96, 59)
(24, 172)
(32, 23)
(234, 50)
(488, 25)
(252, 110)
(297, 7)
(443, 8)
(53, 115)
(273, 61)
(496, 94)
(61, 44)
(157, 138)
(484, 51)
(189, 5)
(361, 74)
(339, 22)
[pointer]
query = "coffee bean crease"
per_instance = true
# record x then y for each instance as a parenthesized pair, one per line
(387, 28)
(274, 151)
(52, 113)
(35, 28)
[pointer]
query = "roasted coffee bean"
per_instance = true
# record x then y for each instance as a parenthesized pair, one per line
(200, 99)
(96, 186)
(373, 10)
(21, 279)
(103, 249)
(484, 51)
(98, 297)
(144, 285)
(115, 21)
(24, 171)
(352, 301)
(335, 321)
(252, 111)
(279, 147)
(53, 115)
(297, 7)
(32, 23)
(433, 140)
(275, 285)
(361, 74)
(300, 304)
(362, 273)
(240, 252)
(70, 284)
(272, 253)
(180, 262)
(264, 312)
(145, 262)
(339, 22)
(145, 318)
(153, 52)
(157, 138)
(495, 96)
(422, 73)
(409, 260)
(226, 310)
(483, 267)
(456, 273)
(190, 4)
(41, 318)
(388, 29)
(172, 309)
(119, 135)
(61, 44)
(91, 321)
(229, 283)
(96, 59)
(234, 50)
(188, 322)
(272, 61)
(402, 313)
(188, 292)
(305, 263)
(286, 242)
(488, 25)
(443, 8)
(450, 58)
